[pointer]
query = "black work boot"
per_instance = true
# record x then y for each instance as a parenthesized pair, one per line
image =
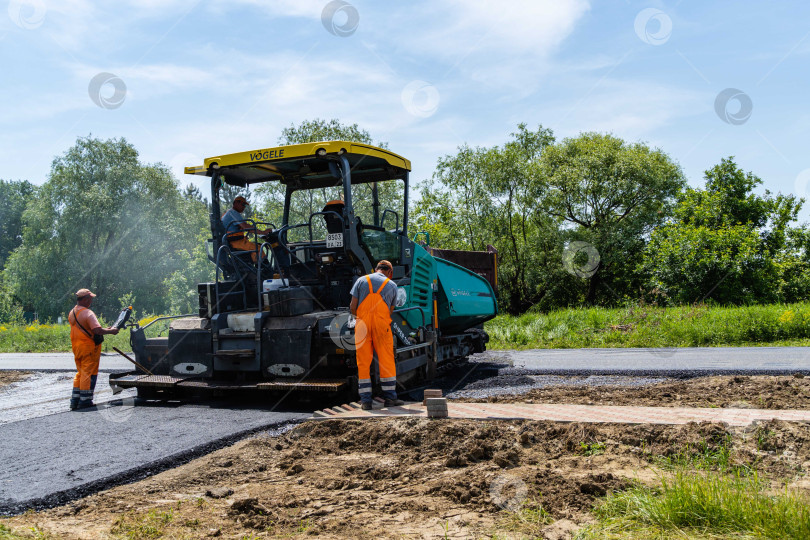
(74, 399)
(394, 402)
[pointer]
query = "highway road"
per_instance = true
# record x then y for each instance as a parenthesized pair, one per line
(110, 362)
(667, 361)
(697, 359)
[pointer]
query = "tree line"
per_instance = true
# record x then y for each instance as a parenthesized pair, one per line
(588, 220)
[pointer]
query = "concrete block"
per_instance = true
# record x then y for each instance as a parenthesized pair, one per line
(436, 407)
(431, 393)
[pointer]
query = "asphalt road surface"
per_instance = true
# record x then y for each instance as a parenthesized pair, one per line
(666, 361)
(44, 393)
(59, 362)
(53, 459)
(692, 359)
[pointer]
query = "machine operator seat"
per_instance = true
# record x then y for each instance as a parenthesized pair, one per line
(333, 224)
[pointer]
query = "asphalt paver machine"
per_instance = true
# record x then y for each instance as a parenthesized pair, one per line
(276, 317)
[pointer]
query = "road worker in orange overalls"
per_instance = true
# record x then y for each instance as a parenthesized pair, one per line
(85, 337)
(373, 300)
(237, 229)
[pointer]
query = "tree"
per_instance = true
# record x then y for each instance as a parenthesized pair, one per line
(306, 202)
(610, 194)
(105, 221)
(730, 245)
(194, 267)
(326, 130)
(13, 198)
(482, 196)
(544, 205)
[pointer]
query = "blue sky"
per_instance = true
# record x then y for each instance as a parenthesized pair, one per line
(189, 79)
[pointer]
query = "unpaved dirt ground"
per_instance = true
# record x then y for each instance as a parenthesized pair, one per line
(420, 478)
(8, 377)
(737, 392)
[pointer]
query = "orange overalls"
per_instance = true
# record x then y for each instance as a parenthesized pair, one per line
(240, 242)
(87, 355)
(375, 314)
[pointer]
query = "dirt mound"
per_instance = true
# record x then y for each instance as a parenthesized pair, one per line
(415, 477)
(9, 377)
(738, 391)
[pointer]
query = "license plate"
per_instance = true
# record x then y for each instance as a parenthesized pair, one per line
(334, 240)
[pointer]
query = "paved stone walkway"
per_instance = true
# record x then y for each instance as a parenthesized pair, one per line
(560, 412)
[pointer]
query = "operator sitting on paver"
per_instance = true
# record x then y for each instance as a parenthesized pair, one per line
(235, 226)
(86, 335)
(373, 300)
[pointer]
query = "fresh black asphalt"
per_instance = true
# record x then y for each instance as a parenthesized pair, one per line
(50, 460)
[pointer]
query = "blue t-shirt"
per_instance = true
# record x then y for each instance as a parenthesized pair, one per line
(231, 221)
(360, 288)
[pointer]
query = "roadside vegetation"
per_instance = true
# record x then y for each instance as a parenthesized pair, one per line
(46, 338)
(634, 326)
(652, 326)
(704, 492)
(695, 505)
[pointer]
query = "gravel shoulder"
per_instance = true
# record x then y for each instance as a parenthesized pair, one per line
(736, 391)
(417, 478)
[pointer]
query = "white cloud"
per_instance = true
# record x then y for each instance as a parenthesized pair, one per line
(457, 29)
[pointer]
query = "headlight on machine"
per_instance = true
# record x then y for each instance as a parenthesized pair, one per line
(402, 297)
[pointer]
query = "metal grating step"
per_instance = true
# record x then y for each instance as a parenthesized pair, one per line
(158, 381)
(316, 385)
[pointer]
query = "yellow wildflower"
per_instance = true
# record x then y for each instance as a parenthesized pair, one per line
(786, 317)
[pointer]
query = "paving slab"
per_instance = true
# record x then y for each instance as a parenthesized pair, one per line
(564, 412)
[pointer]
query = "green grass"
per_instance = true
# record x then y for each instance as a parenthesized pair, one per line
(142, 527)
(592, 449)
(704, 456)
(702, 505)
(6, 533)
(650, 326)
(528, 521)
(36, 337)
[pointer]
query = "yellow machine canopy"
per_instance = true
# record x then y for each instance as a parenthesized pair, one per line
(305, 165)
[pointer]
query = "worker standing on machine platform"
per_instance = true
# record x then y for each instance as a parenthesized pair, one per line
(235, 226)
(86, 336)
(373, 300)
